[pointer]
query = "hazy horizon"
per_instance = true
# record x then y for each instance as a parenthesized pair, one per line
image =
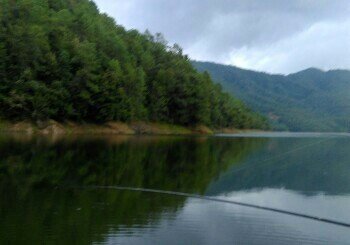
(274, 73)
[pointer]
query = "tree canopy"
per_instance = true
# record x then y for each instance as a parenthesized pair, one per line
(64, 60)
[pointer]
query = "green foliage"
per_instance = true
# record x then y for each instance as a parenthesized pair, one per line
(63, 60)
(310, 100)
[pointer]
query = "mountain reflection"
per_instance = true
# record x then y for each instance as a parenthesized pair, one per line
(306, 165)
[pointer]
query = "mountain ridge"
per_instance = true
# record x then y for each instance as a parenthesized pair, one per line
(308, 100)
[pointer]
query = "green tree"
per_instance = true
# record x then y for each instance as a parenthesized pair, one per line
(64, 60)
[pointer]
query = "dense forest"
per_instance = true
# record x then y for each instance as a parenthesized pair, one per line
(310, 100)
(64, 60)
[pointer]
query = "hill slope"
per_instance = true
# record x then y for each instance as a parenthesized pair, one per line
(310, 100)
(64, 60)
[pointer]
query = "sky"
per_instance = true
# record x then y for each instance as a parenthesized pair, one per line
(275, 36)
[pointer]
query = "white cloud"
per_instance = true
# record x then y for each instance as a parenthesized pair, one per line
(271, 35)
(323, 45)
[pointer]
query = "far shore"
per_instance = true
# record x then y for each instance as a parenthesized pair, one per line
(51, 127)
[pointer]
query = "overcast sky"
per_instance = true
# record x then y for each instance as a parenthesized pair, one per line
(279, 36)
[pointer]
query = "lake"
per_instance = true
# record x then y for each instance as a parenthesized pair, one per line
(65, 190)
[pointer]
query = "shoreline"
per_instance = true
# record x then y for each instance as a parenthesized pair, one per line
(51, 127)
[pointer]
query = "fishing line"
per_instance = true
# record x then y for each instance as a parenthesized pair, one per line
(214, 199)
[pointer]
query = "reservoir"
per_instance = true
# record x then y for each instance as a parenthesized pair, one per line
(115, 190)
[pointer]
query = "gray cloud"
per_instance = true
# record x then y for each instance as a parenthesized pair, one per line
(271, 35)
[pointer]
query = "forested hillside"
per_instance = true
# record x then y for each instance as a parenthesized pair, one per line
(310, 100)
(64, 60)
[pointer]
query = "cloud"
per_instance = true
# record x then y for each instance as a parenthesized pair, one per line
(323, 45)
(270, 35)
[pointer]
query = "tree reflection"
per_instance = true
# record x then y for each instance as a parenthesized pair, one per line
(42, 180)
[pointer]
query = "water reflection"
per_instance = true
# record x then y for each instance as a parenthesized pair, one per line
(167, 163)
(42, 199)
(306, 165)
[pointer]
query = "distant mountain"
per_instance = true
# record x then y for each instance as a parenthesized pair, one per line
(310, 100)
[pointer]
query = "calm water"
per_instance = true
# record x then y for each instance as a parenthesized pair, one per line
(51, 190)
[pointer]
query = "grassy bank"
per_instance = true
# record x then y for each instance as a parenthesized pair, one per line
(110, 128)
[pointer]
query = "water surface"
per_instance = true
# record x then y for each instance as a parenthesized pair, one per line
(52, 190)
